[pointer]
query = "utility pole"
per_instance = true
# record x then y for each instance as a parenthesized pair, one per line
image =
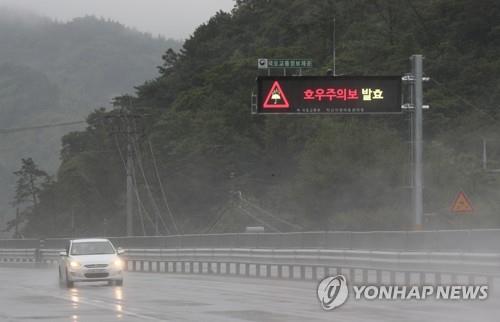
(130, 187)
(121, 122)
(417, 71)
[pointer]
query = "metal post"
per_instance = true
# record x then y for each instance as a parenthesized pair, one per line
(418, 94)
(130, 225)
(334, 49)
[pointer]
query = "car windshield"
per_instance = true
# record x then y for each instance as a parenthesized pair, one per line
(92, 248)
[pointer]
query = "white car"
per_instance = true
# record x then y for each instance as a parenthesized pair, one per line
(91, 260)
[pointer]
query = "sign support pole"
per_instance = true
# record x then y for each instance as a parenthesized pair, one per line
(417, 71)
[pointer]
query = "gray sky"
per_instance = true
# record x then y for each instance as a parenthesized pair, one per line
(170, 18)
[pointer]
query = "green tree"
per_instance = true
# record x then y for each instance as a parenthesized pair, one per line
(30, 180)
(321, 173)
(30, 184)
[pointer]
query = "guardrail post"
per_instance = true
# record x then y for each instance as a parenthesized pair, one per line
(490, 282)
(326, 271)
(38, 251)
(437, 278)
(37, 255)
(392, 277)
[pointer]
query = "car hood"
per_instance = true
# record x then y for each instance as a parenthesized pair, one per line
(95, 259)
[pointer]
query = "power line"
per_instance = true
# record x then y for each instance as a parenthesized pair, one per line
(240, 195)
(246, 212)
(141, 217)
(164, 195)
(148, 188)
(124, 163)
(492, 120)
(222, 211)
(468, 103)
(37, 127)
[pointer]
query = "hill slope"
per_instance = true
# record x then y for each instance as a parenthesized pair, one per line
(52, 72)
(219, 165)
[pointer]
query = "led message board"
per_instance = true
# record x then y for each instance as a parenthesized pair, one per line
(328, 95)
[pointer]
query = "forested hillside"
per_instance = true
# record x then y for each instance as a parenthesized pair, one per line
(53, 72)
(222, 169)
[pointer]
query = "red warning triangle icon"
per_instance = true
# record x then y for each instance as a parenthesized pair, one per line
(276, 97)
(462, 204)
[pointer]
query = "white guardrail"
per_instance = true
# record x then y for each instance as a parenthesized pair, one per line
(18, 255)
(304, 264)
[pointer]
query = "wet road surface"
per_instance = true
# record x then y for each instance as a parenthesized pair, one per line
(34, 295)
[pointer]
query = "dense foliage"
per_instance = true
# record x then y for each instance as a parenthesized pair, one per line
(204, 162)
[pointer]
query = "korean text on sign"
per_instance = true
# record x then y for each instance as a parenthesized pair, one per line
(331, 93)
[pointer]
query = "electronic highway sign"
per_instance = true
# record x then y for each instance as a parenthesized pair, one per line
(328, 95)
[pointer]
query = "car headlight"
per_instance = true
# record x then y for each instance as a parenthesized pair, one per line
(119, 263)
(74, 264)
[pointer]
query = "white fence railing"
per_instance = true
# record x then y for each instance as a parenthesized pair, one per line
(376, 256)
(359, 265)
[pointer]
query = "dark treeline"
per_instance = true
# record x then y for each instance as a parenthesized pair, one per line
(220, 166)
